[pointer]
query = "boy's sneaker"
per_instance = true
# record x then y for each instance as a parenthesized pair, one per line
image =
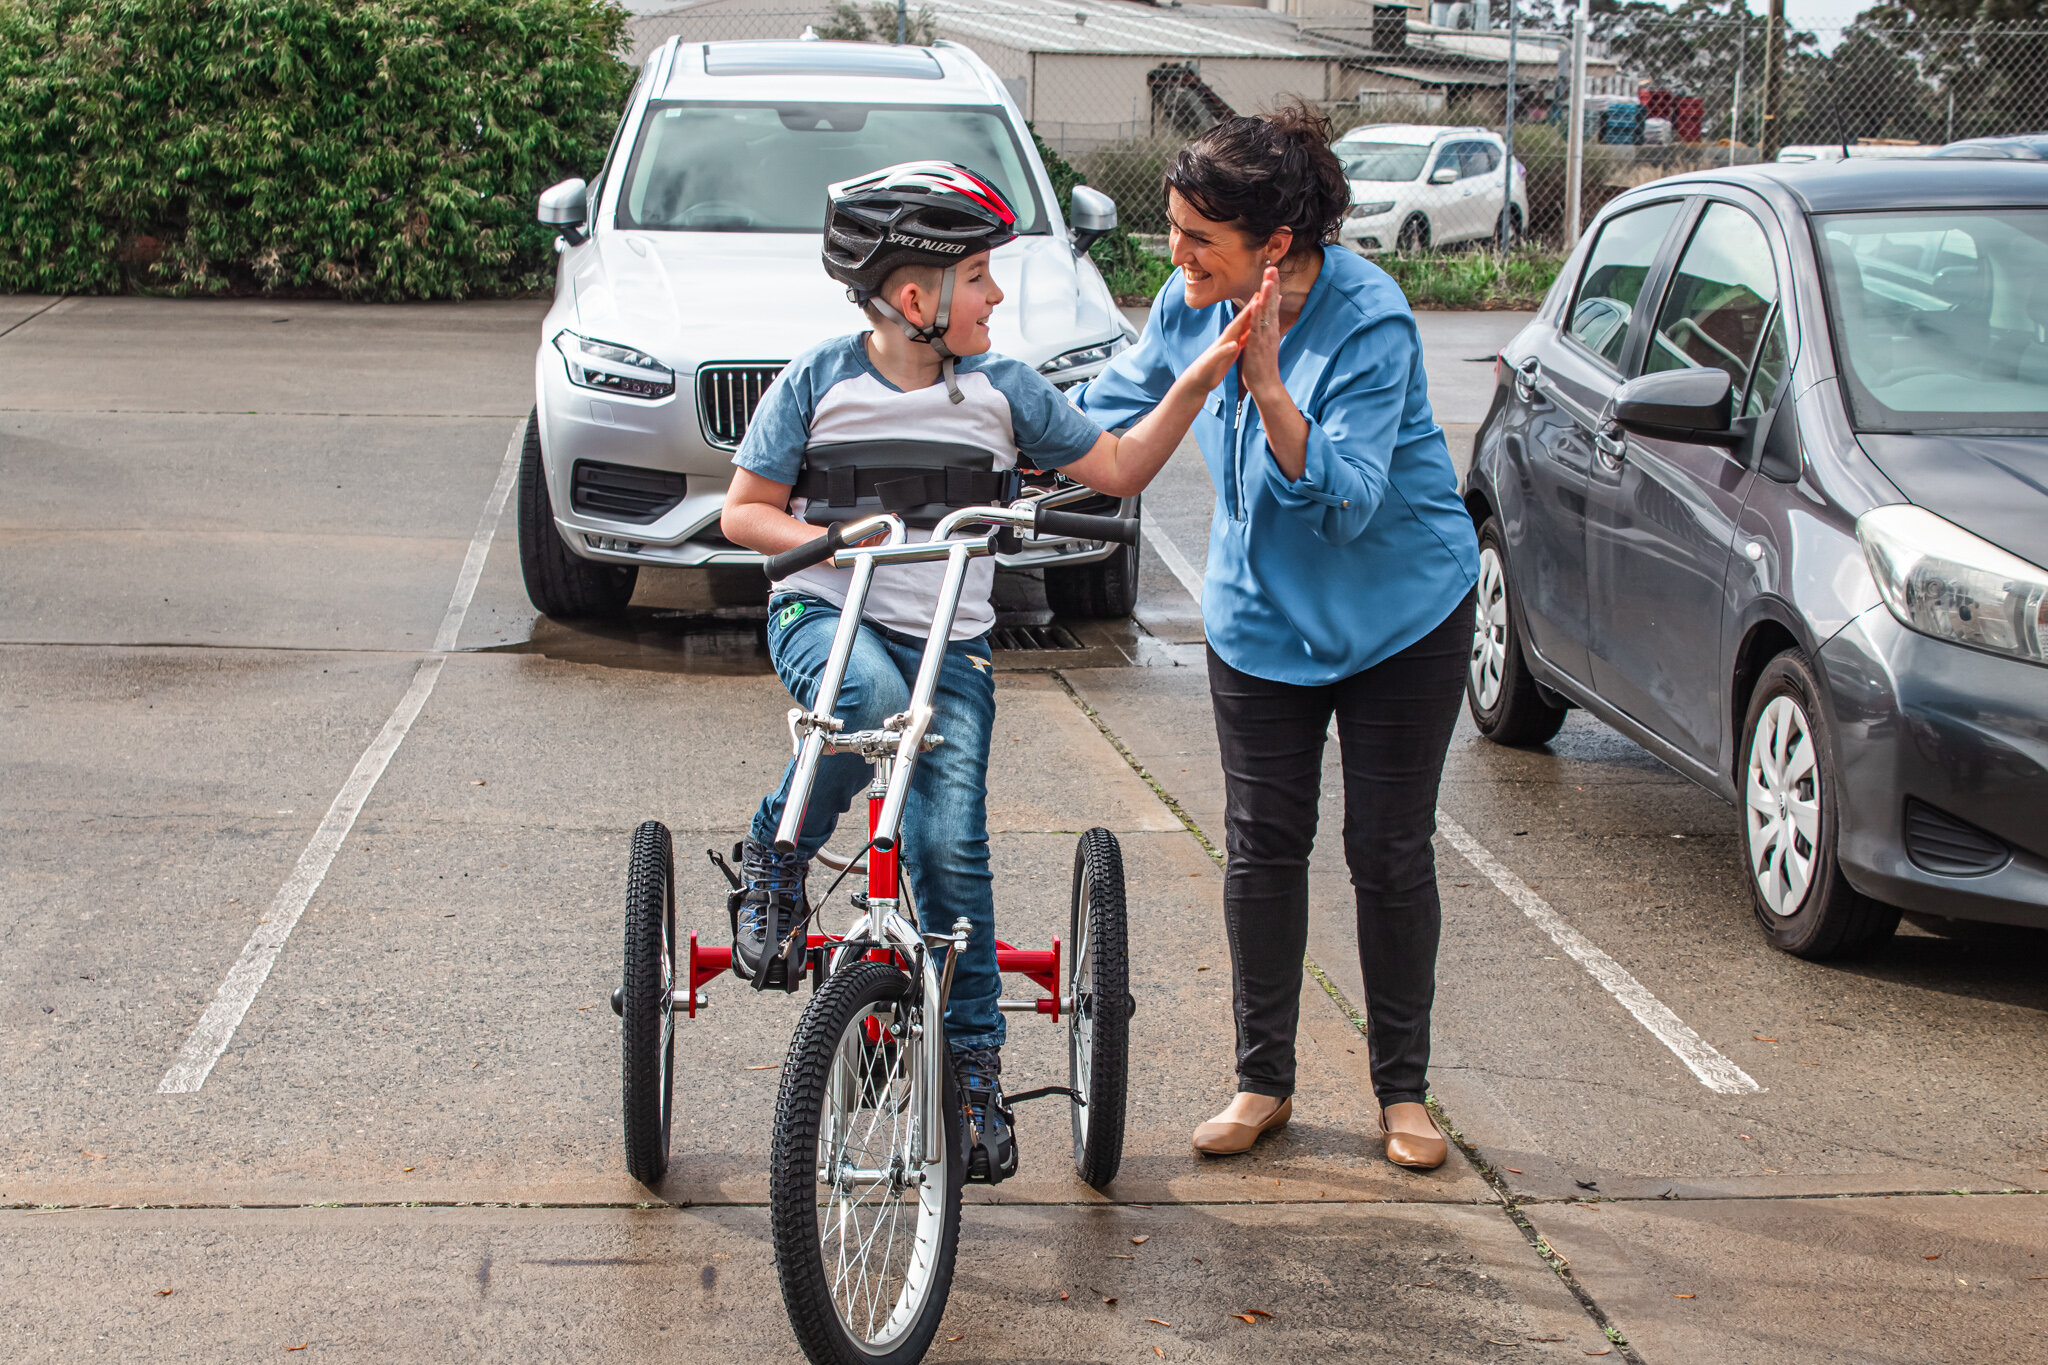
(769, 881)
(992, 1158)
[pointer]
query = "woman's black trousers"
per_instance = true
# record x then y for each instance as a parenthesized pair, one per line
(1394, 722)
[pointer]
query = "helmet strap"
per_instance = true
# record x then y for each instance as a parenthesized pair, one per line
(934, 335)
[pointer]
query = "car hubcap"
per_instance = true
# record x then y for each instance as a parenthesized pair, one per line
(1782, 806)
(1489, 630)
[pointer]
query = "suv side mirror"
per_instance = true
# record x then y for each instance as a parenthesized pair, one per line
(1094, 217)
(1678, 405)
(566, 206)
(1443, 175)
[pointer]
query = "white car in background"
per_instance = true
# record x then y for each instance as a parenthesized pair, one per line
(689, 276)
(1416, 185)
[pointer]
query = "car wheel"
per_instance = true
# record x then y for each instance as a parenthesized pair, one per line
(1106, 590)
(1790, 813)
(1506, 703)
(1512, 237)
(559, 581)
(1414, 234)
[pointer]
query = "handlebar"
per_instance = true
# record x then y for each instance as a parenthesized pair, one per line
(1048, 521)
(1044, 521)
(805, 555)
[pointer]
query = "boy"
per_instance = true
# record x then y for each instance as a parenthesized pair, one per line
(918, 417)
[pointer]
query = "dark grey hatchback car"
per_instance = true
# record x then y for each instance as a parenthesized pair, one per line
(1765, 487)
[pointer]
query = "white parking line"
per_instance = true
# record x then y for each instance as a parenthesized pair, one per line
(1701, 1058)
(216, 1027)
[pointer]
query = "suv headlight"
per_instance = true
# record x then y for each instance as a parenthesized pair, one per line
(1372, 210)
(1942, 581)
(611, 368)
(1087, 355)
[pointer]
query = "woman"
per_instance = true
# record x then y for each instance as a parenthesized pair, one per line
(1341, 568)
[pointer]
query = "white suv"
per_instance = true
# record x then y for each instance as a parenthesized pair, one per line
(689, 276)
(1415, 186)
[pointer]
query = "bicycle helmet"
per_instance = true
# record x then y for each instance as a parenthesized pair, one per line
(917, 213)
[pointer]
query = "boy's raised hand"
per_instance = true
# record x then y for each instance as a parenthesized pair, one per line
(1210, 367)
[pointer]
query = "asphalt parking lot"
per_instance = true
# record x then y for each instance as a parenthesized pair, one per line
(314, 850)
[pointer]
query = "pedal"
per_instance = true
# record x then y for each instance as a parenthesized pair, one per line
(988, 1165)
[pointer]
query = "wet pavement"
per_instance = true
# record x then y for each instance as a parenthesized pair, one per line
(229, 537)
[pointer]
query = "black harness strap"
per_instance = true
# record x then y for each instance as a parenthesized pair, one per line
(900, 487)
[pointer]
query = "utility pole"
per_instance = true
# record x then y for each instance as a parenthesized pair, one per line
(902, 20)
(1507, 175)
(1575, 144)
(1774, 82)
(1741, 60)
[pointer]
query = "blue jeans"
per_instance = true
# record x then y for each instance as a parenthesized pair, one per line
(944, 847)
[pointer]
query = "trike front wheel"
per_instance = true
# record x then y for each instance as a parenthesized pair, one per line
(1099, 1007)
(865, 1226)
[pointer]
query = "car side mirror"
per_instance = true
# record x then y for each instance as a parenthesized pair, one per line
(1678, 405)
(1094, 217)
(1443, 175)
(566, 206)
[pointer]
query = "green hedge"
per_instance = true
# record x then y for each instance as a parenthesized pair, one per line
(373, 149)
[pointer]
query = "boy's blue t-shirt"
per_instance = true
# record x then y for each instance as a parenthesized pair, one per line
(833, 393)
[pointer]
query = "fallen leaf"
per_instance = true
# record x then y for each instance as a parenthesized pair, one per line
(1761, 1039)
(1063, 1296)
(765, 1066)
(1140, 1241)
(1610, 1350)
(1685, 1296)
(1961, 1281)
(95, 1156)
(165, 1293)
(1201, 969)
(1511, 1170)
(477, 782)
(1108, 1299)
(300, 1347)
(1159, 1322)
(2038, 1277)
(1745, 1137)
(1464, 883)
(1426, 1284)
(1258, 1312)
(581, 1008)
(1157, 1352)
(1246, 1317)
(958, 1338)
(408, 1168)
(1935, 1257)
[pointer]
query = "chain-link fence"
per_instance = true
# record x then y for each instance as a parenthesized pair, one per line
(1115, 87)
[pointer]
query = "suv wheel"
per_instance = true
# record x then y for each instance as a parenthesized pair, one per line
(1103, 591)
(1414, 234)
(1507, 705)
(1512, 238)
(1789, 821)
(559, 581)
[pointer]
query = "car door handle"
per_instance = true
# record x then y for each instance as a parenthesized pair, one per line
(1611, 446)
(1528, 380)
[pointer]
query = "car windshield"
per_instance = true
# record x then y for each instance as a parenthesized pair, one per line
(1381, 160)
(1941, 318)
(703, 167)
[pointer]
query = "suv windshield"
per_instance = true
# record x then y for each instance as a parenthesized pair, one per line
(702, 167)
(1940, 317)
(1381, 160)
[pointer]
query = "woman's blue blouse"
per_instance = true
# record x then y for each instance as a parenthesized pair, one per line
(1314, 579)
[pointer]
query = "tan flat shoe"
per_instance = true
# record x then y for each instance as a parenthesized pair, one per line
(1412, 1150)
(1218, 1138)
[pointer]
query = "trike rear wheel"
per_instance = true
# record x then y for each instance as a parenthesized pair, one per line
(1099, 1015)
(646, 1010)
(865, 1229)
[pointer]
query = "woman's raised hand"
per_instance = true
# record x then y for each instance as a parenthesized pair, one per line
(1262, 342)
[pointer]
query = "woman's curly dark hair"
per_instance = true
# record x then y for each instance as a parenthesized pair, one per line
(1263, 174)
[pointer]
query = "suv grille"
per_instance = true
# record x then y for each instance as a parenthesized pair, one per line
(1942, 844)
(623, 492)
(726, 395)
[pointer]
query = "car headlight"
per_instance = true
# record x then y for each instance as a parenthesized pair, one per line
(1087, 355)
(612, 368)
(1942, 581)
(1372, 210)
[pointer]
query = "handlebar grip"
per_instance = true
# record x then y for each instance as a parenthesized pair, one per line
(1050, 521)
(805, 555)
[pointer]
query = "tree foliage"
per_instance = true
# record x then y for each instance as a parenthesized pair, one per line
(877, 24)
(375, 149)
